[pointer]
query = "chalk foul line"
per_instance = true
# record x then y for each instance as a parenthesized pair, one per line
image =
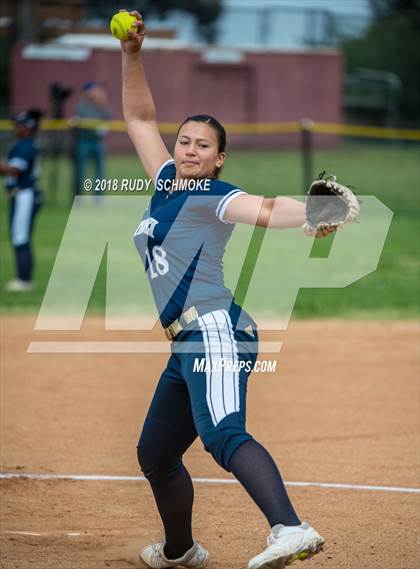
(98, 478)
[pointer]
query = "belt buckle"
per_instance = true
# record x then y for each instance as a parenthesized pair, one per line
(168, 332)
(188, 316)
(173, 329)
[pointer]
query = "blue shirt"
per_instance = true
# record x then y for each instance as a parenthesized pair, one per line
(181, 240)
(23, 156)
(89, 110)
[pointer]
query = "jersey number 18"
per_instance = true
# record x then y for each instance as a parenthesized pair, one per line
(158, 265)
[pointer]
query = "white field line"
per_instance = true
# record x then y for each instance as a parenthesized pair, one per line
(24, 533)
(108, 347)
(98, 478)
(47, 534)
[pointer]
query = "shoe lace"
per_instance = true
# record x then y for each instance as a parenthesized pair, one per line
(274, 536)
(200, 554)
(157, 551)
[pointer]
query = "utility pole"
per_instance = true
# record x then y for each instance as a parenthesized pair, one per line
(26, 21)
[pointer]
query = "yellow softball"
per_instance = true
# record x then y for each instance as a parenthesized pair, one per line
(121, 24)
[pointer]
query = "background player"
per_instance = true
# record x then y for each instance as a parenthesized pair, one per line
(21, 171)
(201, 316)
(88, 141)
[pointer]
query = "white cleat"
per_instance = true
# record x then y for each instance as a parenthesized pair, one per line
(286, 544)
(195, 558)
(17, 285)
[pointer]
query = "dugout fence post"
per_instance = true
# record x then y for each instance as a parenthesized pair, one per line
(306, 137)
(58, 97)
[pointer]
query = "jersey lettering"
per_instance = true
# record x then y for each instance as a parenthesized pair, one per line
(147, 227)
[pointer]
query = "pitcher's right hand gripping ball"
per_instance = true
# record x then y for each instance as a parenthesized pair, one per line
(329, 206)
(121, 24)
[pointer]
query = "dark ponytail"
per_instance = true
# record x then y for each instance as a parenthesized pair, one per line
(217, 127)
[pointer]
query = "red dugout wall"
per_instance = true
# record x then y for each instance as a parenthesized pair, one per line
(263, 87)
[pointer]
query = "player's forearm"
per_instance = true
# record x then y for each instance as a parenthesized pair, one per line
(6, 170)
(137, 98)
(286, 213)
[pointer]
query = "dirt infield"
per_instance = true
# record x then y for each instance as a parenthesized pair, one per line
(81, 414)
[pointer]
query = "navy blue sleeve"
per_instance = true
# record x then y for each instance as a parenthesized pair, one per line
(166, 172)
(223, 194)
(22, 156)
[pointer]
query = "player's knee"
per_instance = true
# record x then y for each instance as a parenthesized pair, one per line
(21, 247)
(222, 443)
(148, 459)
(157, 468)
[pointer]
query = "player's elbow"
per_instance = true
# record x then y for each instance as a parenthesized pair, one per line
(134, 114)
(130, 117)
(266, 212)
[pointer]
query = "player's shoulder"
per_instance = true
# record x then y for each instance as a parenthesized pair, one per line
(166, 172)
(21, 154)
(223, 192)
(24, 147)
(16, 148)
(222, 188)
(212, 200)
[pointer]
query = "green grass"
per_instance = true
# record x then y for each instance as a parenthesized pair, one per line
(390, 172)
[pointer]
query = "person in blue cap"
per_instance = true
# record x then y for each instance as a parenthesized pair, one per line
(21, 171)
(89, 138)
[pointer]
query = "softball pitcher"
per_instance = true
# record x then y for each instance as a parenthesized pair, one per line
(181, 240)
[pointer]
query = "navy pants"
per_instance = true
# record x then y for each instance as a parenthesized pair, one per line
(85, 152)
(202, 392)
